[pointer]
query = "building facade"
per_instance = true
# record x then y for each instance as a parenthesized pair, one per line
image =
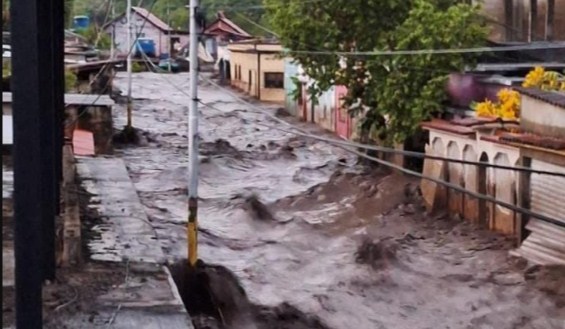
(257, 69)
(145, 25)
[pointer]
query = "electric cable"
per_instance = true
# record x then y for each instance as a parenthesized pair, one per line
(455, 187)
(380, 148)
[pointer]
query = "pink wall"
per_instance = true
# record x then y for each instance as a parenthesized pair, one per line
(342, 118)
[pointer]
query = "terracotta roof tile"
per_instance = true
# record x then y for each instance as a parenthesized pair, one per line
(472, 121)
(152, 18)
(447, 126)
(534, 140)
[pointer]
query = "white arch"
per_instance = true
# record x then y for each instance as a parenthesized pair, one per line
(470, 171)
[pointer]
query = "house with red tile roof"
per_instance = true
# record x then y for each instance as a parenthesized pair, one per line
(222, 31)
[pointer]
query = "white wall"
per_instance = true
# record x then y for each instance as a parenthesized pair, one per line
(502, 184)
(149, 31)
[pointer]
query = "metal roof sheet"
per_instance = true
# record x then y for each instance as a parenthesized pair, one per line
(552, 97)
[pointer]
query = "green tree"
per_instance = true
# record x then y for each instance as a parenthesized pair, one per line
(392, 93)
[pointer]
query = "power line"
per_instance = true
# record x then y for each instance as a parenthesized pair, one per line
(555, 45)
(419, 175)
(380, 148)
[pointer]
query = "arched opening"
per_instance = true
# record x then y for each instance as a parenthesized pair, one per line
(416, 143)
(435, 195)
(504, 185)
(470, 173)
(483, 188)
(455, 176)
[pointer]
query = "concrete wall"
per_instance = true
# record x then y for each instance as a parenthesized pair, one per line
(253, 66)
(97, 119)
(271, 63)
(149, 31)
(541, 117)
(290, 71)
(501, 184)
(324, 111)
(246, 64)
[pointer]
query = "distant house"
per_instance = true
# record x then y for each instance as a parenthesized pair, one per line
(257, 69)
(146, 25)
(222, 31)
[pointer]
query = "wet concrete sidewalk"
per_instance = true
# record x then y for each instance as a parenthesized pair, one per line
(123, 282)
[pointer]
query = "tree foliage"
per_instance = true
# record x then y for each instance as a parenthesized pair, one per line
(392, 94)
(175, 12)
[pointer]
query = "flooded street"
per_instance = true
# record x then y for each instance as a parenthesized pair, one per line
(314, 239)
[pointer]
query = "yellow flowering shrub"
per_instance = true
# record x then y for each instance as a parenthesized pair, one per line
(507, 106)
(544, 80)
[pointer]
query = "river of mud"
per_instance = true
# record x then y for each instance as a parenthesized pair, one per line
(305, 237)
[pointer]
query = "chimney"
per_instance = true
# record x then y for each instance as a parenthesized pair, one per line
(220, 14)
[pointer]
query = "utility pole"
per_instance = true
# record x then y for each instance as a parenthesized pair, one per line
(169, 34)
(192, 229)
(113, 30)
(130, 51)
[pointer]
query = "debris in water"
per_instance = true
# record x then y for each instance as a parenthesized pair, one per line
(281, 112)
(258, 209)
(129, 135)
(378, 254)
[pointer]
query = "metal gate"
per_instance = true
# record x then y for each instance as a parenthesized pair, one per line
(546, 242)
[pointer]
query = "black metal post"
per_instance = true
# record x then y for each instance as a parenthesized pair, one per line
(27, 24)
(58, 12)
(47, 116)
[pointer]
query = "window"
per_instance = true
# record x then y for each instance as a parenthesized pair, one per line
(274, 80)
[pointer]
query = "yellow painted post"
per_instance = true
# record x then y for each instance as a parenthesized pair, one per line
(192, 228)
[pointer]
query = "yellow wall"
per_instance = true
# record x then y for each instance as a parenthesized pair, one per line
(248, 64)
(271, 63)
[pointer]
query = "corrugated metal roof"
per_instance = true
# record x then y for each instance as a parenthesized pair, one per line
(75, 99)
(7, 130)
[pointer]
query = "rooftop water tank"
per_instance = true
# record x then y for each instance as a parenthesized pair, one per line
(145, 45)
(81, 22)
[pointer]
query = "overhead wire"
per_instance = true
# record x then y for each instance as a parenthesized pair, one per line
(380, 148)
(453, 186)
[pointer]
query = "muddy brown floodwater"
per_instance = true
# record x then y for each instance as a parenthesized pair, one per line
(301, 236)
